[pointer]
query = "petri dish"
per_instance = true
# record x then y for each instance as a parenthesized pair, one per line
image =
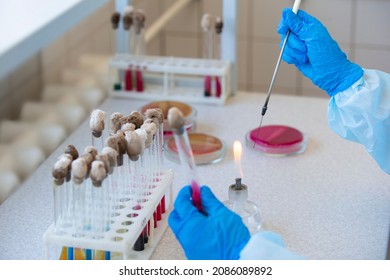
(205, 148)
(188, 111)
(277, 140)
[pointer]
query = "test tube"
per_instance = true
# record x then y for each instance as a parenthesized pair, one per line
(79, 173)
(99, 206)
(123, 166)
(135, 141)
(151, 130)
(116, 188)
(97, 125)
(129, 79)
(139, 45)
(60, 172)
(107, 180)
(176, 121)
(128, 21)
(67, 195)
(113, 173)
(218, 31)
(206, 23)
(156, 116)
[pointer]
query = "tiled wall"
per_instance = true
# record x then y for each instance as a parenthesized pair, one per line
(360, 27)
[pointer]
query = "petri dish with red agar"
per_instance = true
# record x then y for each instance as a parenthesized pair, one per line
(205, 148)
(277, 140)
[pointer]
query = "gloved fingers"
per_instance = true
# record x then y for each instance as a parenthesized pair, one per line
(306, 69)
(289, 59)
(295, 48)
(282, 27)
(210, 203)
(305, 17)
(297, 24)
(183, 204)
(175, 222)
(189, 229)
(302, 15)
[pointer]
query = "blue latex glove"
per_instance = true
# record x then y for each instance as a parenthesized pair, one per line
(220, 235)
(313, 51)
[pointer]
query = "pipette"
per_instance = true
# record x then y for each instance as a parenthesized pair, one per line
(295, 9)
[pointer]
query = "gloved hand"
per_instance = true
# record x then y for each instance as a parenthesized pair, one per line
(313, 51)
(220, 235)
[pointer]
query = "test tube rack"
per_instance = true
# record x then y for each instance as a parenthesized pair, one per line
(127, 224)
(172, 78)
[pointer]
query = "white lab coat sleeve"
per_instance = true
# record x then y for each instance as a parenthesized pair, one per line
(362, 114)
(267, 245)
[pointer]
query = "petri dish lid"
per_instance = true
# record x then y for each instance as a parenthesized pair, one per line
(205, 148)
(277, 140)
(188, 111)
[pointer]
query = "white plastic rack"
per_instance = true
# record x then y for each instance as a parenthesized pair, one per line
(172, 78)
(127, 224)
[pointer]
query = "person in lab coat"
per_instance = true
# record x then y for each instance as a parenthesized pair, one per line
(358, 110)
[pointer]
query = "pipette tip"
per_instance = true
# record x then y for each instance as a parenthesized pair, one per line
(261, 121)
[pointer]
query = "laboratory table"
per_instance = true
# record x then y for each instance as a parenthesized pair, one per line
(330, 202)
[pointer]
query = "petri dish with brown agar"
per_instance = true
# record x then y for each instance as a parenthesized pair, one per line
(277, 140)
(205, 148)
(188, 111)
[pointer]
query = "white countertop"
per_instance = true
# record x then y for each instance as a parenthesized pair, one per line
(331, 202)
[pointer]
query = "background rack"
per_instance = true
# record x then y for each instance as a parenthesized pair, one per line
(172, 77)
